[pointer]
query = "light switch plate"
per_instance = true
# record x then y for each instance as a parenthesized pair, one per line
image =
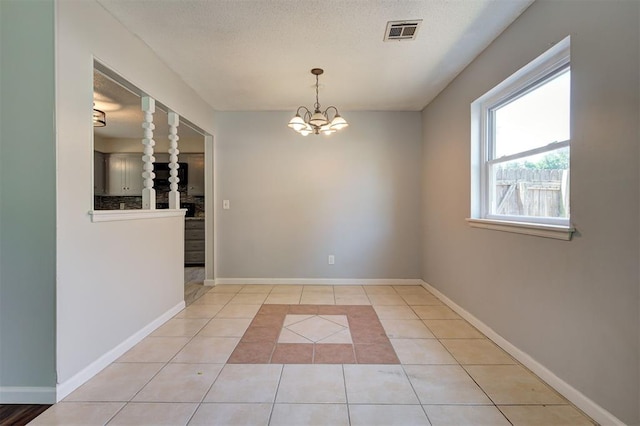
(225, 204)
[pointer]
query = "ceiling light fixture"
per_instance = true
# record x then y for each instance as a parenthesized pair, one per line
(99, 118)
(317, 122)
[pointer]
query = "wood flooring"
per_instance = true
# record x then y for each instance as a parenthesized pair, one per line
(19, 414)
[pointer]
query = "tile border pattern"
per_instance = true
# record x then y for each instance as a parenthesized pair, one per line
(259, 343)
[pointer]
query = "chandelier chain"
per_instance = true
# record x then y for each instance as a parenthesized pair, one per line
(317, 105)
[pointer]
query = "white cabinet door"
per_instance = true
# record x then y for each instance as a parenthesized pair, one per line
(195, 175)
(133, 175)
(124, 174)
(116, 171)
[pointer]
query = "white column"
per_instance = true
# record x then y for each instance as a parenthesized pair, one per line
(174, 195)
(148, 193)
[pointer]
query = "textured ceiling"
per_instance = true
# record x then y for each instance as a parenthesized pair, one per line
(242, 55)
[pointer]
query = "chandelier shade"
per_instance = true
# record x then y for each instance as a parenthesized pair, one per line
(306, 122)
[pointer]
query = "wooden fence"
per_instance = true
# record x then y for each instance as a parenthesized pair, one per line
(531, 192)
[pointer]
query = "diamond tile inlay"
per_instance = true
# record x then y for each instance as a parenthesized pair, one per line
(313, 327)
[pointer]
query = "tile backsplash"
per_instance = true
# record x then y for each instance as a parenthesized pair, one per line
(102, 202)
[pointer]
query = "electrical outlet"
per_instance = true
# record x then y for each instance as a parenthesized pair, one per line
(121, 206)
(225, 204)
(331, 259)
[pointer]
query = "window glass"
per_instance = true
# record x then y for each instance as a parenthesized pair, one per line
(535, 119)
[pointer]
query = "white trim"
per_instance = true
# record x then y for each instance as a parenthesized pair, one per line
(113, 215)
(209, 282)
(321, 281)
(27, 395)
(592, 409)
(557, 232)
(64, 389)
(541, 69)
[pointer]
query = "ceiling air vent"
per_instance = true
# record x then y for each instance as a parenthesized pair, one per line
(402, 30)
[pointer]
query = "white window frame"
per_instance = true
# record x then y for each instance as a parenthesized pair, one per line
(547, 66)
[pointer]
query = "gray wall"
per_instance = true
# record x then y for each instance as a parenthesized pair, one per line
(295, 200)
(27, 195)
(572, 306)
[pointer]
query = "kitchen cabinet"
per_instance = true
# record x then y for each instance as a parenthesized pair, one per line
(195, 186)
(194, 241)
(99, 187)
(124, 174)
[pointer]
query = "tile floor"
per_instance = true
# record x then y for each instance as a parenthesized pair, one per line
(295, 355)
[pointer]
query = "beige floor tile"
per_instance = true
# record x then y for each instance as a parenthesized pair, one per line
(232, 415)
(181, 327)
(286, 288)
(387, 299)
(180, 383)
(453, 329)
(395, 312)
(378, 384)
(317, 298)
(207, 350)
(283, 299)
(214, 299)
(410, 289)
(248, 299)
(352, 300)
(379, 289)
(387, 415)
(406, 329)
(513, 384)
(78, 414)
(257, 288)
(319, 383)
(316, 327)
(199, 311)
(309, 414)
(156, 414)
(238, 311)
(154, 349)
(444, 384)
(547, 415)
(465, 415)
(422, 299)
(349, 290)
(317, 289)
(225, 327)
(421, 351)
(435, 312)
(476, 351)
(117, 382)
(343, 336)
(226, 288)
(246, 383)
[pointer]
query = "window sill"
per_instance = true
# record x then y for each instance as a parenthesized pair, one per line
(539, 230)
(114, 215)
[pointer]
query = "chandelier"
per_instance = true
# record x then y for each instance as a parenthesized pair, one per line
(99, 117)
(317, 122)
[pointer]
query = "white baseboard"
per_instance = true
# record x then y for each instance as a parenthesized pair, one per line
(27, 395)
(595, 411)
(65, 388)
(209, 283)
(321, 281)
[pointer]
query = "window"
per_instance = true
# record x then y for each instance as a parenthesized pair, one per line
(521, 149)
